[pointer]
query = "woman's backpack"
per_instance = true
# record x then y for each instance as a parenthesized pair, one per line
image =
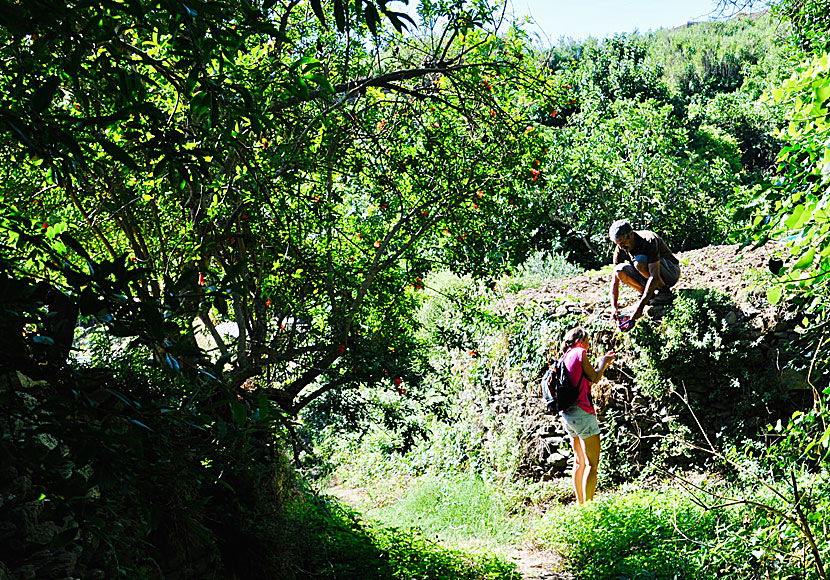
(557, 389)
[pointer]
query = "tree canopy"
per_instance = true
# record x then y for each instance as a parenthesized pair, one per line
(258, 166)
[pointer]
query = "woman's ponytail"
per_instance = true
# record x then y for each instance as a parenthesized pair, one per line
(572, 337)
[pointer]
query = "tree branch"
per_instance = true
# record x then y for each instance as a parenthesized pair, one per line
(358, 85)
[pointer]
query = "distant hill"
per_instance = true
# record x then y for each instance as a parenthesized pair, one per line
(718, 56)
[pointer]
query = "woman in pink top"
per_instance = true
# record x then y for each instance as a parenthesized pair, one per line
(580, 420)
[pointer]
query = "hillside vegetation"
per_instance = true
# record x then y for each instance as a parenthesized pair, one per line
(252, 252)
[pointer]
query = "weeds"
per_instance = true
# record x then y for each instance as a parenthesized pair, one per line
(668, 535)
(331, 541)
(456, 510)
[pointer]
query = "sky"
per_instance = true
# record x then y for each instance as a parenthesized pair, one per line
(579, 19)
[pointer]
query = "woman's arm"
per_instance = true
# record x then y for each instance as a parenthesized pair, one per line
(594, 375)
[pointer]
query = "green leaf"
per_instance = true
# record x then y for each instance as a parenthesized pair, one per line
(397, 20)
(240, 416)
(805, 215)
(140, 424)
(794, 217)
(340, 15)
(44, 94)
(64, 538)
(172, 363)
(822, 441)
(774, 294)
(777, 94)
(792, 129)
(372, 17)
(220, 302)
(806, 259)
(305, 63)
(118, 154)
(318, 11)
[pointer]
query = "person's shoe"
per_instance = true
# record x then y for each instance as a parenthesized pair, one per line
(661, 298)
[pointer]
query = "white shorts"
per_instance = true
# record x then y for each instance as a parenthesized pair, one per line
(579, 423)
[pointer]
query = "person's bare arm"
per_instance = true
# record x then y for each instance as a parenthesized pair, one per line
(615, 285)
(592, 374)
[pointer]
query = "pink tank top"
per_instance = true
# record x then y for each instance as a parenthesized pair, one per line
(573, 362)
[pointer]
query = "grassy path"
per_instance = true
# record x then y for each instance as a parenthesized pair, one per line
(533, 563)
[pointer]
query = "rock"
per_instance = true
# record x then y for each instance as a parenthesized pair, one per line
(8, 474)
(557, 459)
(44, 532)
(636, 416)
(781, 326)
(55, 565)
(24, 519)
(20, 486)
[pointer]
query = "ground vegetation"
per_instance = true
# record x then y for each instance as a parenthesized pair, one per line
(253, 249)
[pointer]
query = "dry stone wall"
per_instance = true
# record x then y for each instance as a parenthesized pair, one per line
(633, 421)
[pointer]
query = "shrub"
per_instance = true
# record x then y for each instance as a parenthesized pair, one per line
(540, 267)
(699, 346)
(627, 536)
(670, 535)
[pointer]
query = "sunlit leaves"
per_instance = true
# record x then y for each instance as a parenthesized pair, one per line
(774, 294)
(799, 203)
(271, 173)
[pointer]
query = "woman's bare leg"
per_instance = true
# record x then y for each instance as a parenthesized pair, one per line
(591, 447)
(579, 470)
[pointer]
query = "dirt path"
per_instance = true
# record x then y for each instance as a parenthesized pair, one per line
(533, 563)
(539, 564)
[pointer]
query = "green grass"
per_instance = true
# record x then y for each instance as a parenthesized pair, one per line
(639, 535)
(456, 510)
(627, 534)
(665, 535)
(327, 540)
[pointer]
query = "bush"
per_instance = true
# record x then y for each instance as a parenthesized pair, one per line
(699, 348)
(628, 536)
(539, 268)
(670, 535)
